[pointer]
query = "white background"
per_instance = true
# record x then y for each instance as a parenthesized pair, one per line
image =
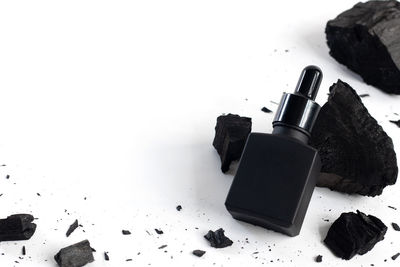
(116, 101)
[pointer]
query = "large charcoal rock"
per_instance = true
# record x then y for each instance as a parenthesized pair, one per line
(366, 38)
(76, 255)
(357, 155)
(17, 227)
(231, 134)
(354, 233)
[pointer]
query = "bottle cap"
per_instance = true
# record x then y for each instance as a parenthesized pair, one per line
(299, 110)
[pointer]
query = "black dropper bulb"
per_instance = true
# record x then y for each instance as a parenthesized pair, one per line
(309, 82)
(297, 112)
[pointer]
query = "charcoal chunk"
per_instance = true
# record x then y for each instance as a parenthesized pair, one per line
(198, 252)
(231, 134)
(266, 110)
(106, 257)
(159, 231)
(17, 227)
(366, 38)
(126, 232)
(396, 227)
(218, 239)
(76, 255)
(354, 233)
(356, 153)
(318, 258)
(396, 122)
(395, 256)
(72, 228)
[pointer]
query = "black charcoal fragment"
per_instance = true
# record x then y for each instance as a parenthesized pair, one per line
(179, 208)
(231, 134)
(396, 227)
(198, 252)
(363, 95)
(366, 38)
(396, 122)
(76, 255)
(106, 257)
(218, 239)
(163, 246)
(159, 231)
(126, 232)
(266, 110)
(395, 256)
(17, 227)
(318, 258)
(7, 176)
(391, 207)
(72, 228)
(354, 233)
(23, 250)
(356, 153)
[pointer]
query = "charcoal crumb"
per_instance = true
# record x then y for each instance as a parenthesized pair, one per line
(396, 122)
(7, 176)
(72, 228)
(396, 227)
(126, 232)
(218, 239)
(163, 246)
(394, 208)
(266, 110)
(128, 260)
(179, 208)
(106, 257)
(38, 194)
(318, 258)
(394, 257)
(198, 252)
(23, 250)
(363, 95)
(159, 231)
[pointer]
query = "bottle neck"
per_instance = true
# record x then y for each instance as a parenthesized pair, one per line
(291, 132)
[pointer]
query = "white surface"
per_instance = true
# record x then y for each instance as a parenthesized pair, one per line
(116, 101)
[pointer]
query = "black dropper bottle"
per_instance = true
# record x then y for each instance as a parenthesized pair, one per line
(277, 172)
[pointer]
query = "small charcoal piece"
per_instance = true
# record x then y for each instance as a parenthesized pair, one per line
(106, 257)
(163, 246)
(356, 153)
(218, 239)
(266, 110)
(366, 38)
(126, 232)
(23, 250)
(231, 134)
(395, 256)
(159, 231)
(354, 233)
(17, 227)
(396, 122)
(178, 208)
(72, 228)
(396, 227)
(391, 207)
(363, 95)
(198, 252)
(318, 258)
(7, 176)
(76, 255)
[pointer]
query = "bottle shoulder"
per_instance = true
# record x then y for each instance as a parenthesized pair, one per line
(273, 138)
